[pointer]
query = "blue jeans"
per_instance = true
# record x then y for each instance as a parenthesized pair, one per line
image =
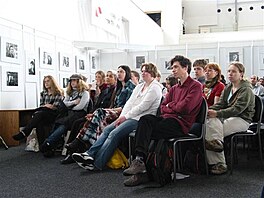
(103, 149)
(57, 133)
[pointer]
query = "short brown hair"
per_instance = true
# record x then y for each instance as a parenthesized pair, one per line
(150, 68)
(200, 63)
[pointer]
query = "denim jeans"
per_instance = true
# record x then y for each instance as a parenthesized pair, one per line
(57, 133)
(103, 149)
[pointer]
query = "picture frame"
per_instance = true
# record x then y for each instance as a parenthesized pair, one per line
(11, 50)
(64, 80)
(140, 59)
(31, 67)
(46, 59)
(65, 62)
(94, 61)
(81, 64)
(235, 55)
(11, 79)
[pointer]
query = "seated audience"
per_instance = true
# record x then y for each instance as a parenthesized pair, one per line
(135, 77)
(231, 114)
(258, 89)
(198, 66)
(103, 101)
(144, 100)
(178, 112)
(170, 82)
(212, 88)
(46, 113)
(76, 102)
(104, 116)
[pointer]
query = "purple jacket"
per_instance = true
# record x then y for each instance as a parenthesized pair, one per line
(183, 103)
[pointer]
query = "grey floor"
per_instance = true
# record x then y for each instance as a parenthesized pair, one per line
(26, 174)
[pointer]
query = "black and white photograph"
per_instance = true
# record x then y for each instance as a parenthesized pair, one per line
(81, 64)
(93, 62)
(139, 61)
(10, 50)
(233, 56)
(65, 82)
(11, 79)
(32, 67)
(167, 65)
(65, 61)
(46, 57)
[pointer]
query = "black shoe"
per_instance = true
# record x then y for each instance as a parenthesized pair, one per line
(45, 147)
(67, 160)
(77, 146)
(19, 136)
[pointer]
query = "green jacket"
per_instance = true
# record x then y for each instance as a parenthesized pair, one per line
(241, 104)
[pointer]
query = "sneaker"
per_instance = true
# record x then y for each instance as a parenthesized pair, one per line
(20, 136)
(136, 180)
(86, 166)
(82, 158)
(218, 169)
(45, 147)
(214, 145)
(137, 166)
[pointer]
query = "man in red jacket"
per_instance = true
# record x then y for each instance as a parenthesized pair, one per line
(178, 112)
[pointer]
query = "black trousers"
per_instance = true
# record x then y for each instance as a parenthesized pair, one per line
(153, 127)
(40, 120)
(76, 127)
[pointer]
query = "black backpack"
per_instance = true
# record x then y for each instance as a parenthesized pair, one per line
(159, 162)
(194, 161)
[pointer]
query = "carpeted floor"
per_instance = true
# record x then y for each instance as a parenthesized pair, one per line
(26, 174)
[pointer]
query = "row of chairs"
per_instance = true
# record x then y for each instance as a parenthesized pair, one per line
(201, 120)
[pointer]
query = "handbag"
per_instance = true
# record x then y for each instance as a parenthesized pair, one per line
(118, 160)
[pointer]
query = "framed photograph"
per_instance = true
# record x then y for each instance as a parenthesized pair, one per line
(233, 56)
(139, 61)
(46, 59)
(65, 62)
(94, 61)
(64, 80)
(11, 79)
(80, 63)
(31, 67)
(10, 50)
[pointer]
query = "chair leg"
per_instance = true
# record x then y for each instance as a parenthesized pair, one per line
(260, 148)
(174, 161)
(232, 155)
(3, 142)
(205, 159)
(130, 149)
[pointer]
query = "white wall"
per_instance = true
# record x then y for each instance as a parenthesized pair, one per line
(171, 17)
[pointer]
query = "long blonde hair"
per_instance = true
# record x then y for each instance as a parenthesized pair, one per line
(55, 88)
(81, 87)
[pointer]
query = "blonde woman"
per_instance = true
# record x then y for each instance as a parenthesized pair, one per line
(76, 101)
(46, 113)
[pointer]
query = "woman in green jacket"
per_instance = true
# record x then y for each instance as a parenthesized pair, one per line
(233, 113)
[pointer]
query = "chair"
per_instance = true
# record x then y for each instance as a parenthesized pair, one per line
(201, 119)
(257, 122)
(3, 142)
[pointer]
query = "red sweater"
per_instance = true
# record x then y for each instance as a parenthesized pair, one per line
(183, 103)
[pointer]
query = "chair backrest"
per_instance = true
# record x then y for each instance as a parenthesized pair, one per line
(198, 127)
(201, 117)
(90, 106)
(258, 110)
